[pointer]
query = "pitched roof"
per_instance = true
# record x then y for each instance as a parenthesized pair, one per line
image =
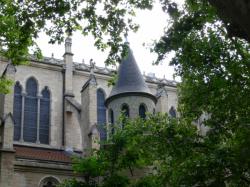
(34, 153)
(130, 79)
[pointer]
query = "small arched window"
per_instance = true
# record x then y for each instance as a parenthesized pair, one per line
(172, 112)
(142, 111)
(17, 111)
(111, 116)
(125, 110)
(111, 120)
(49, 182)
(101, 114)
(30, 111)
(44, 116)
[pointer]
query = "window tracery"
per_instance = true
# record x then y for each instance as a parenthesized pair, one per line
(31, 113)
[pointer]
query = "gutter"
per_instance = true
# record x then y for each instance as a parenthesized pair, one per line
(63, 109)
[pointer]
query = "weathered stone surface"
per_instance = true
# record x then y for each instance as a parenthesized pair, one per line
(133, 103)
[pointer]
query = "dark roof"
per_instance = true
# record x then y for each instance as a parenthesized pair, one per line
(34, 153)
(130, 79)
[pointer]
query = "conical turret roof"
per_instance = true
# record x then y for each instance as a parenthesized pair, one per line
(130, 80)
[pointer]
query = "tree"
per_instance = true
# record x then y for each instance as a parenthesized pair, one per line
(215, 72)
(167, 152)
(235, 14)
(214, 68)
(113, 164)
(22, 21)
(107, 21)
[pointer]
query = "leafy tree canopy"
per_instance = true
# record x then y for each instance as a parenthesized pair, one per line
(163, 151)
(21, 21)
(215, 72)
(235, 14)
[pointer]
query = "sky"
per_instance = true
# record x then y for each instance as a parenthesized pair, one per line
(152, 25)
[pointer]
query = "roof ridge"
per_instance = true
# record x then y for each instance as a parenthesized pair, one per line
(99, 69)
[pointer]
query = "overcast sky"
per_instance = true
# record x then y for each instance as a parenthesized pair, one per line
(152, 25)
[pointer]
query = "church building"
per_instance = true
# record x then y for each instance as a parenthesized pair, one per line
(58, 108)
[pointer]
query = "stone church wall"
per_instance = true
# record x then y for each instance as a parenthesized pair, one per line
(133, 103)
(2, 66)
(172, 98)
(51, 75)
(33, 176)
(80, 78)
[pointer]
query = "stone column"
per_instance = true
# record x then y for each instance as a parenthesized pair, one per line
(68, 61)
(68, 87)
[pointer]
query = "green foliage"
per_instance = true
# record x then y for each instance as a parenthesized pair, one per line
(107, 21)
(5, 85)
(148, 181)
(75, 183)
(135, 148)
(116, 181)
(214, 69)
(166, 151)
(90, 167)
(21, 22)
(113, 79)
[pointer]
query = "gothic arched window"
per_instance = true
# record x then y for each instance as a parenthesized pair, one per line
(172, 112)
(44, 116)
(30, 111)
(125, 110)
(142, 111)
(101, 114)
(17, 111)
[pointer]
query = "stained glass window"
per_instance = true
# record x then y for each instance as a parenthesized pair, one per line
(101, 114)
(44, 116)
(17, 112)
(30, 111)
(142, 111)
(28, 114)
(111, 120)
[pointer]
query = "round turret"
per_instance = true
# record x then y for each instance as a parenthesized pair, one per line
(130, 93)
